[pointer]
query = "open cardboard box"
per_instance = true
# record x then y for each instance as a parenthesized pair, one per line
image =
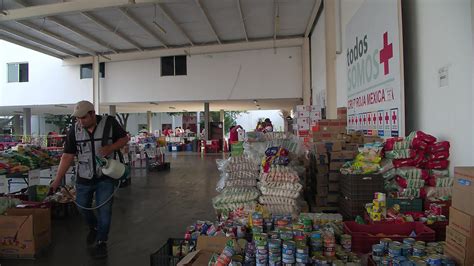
(24, 232)
(206, 246)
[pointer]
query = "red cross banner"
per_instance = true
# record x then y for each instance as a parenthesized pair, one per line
(374, 56)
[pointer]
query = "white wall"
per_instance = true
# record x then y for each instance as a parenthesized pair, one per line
(437, 34)
(49, 81)
(249, 120)
(257, 74)
(318, 62)
(157, 120)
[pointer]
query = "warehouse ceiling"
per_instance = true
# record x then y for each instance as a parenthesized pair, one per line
(78, 28)
(157, 107)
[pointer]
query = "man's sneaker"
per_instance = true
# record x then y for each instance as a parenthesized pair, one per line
(99, 251)
(91, 237)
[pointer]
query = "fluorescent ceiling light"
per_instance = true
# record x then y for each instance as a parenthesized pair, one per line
(153, 103)
(255, 101)
(159, 27)
(60, 106)
(18, 112)
(172, 107)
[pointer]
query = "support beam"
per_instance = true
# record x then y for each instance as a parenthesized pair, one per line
(198, 124)
(32, 47)
(314, 13)
(222, 120)
(168, 16)
(22, 3)
(149, 121)
(112, 110)
(26, 121)
(330, 35)
(195, 50)
(242, 20)
(305, 55)
(276, 19)
(36, 40)
(111, 29)
(207, 20)
(206, 121)
(96, 84)
(56, 37)
(68, 7)
(82, 33)
(16, 125)
(143, 26)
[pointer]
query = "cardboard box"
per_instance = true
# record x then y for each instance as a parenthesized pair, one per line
(206, 246)
(315, 115)
(352, 147)
(322, 191)
(322, 180)
(461, 222)
(349, 155)
(322, 159)
(299, 108)
(334, 145)
(24, 232)
(302, 133)
(371, 139)
(303, 127)
(322, 169)
(459, 246)
(463, 190)
(336, 155)
(320, 148)
(333, 187)
(302, 114)
(321, 201)
(315, 108)
(334, 176)
(313, 122)
(333, 198)
(335, 166)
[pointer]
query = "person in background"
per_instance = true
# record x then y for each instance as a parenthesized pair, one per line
(93, 136)
(268, 126)
(188, 131)
(260, 126)
(233, 135)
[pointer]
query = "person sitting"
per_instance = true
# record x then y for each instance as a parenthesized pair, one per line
(268, 125)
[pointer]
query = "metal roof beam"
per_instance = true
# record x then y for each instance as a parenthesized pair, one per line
(276, 19)
(81, 33)
(71, 6)
(143, 26)
(36, 40)
(314, 13)
(198, 3)
(242, 20)
(111, 29)
(194, 50)
(57, 37)
(168, 16)
(32, 47)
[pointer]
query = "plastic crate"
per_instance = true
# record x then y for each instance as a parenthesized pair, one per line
(350, 207)
(171, 252)
(445, 204)
(406, 205)
(364, 236)
(353, 185)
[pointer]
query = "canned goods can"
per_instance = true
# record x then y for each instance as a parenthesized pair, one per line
(420, 243)
(274, 243)
(434, 260)
(419, 251)
(386, 243)
(386, 261)
(397, 261)
(394, 251)
(406, 250)
(409, 240)
(316, 235)
(395, 243)
(378, 250)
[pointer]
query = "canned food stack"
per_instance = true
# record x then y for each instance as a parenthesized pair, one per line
(226, 255)
(377, 210)
(250, 257)
(288, 252)
(274, 252)
(410, 252)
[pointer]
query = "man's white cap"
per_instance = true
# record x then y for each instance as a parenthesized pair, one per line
(82, 108)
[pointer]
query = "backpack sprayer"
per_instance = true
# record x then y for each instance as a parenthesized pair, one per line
(111, 168)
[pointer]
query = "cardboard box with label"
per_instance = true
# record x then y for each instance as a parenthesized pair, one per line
(206, 247)
(459, 247)
(24, 232)
(461, 222)
(463, 190)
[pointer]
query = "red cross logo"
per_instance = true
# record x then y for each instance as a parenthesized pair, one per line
(380, 118)
(394, 117)
(369, 119)
(386, 53)
(374, 118)
(387, 117)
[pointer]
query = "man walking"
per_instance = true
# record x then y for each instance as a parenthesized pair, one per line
(93, 137)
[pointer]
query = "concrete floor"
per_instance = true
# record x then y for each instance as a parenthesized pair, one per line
(156, 206)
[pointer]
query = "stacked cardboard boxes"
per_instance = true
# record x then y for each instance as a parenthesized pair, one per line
(460, 232)
(305, 118)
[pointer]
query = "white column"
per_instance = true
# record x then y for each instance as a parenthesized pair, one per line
(148, 121)
(206, 120)
(222, 119)
(198, 123)
(112, 110)
(27, 121)
(16, 125)
(96, 84)
(330, 32)
(306, 72)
